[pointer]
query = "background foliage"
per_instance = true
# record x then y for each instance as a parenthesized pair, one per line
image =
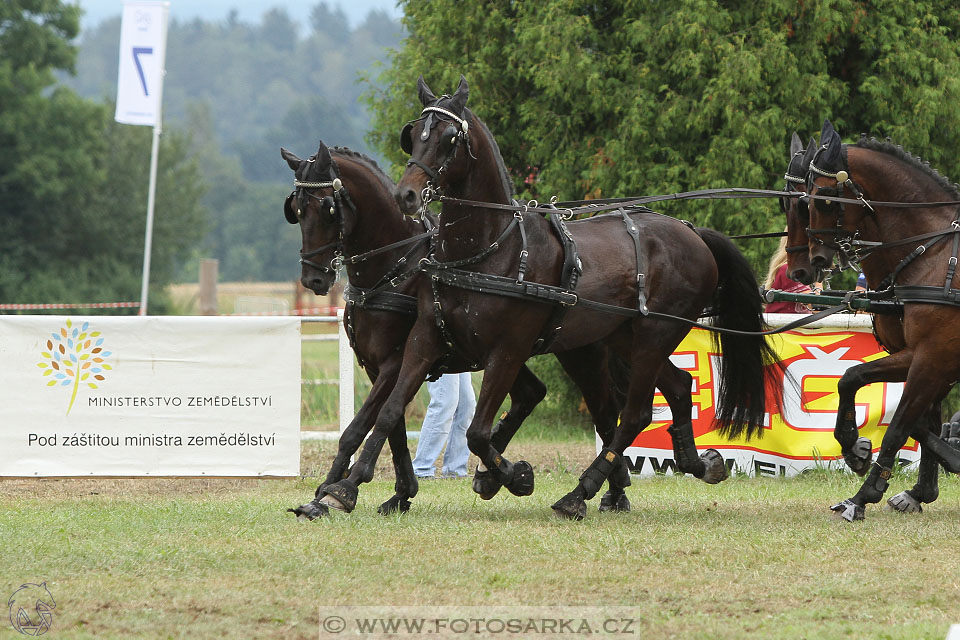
(620, 97)
(239, 92)
(72, 182)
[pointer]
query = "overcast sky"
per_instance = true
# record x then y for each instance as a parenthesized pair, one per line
(248, 10)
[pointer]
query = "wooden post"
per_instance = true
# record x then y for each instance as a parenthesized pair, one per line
(208, 287)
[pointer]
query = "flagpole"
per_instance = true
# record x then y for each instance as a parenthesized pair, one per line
(148, 234)
(142, 102)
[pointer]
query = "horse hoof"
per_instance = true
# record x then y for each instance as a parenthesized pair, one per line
(341, 496)
(716, 470)
(905, 503)
(860, 456)
(610, 503)
(310, 511)
(485, 484)
(522, 483)
(396, 504)
(570, 508)
(848, 510)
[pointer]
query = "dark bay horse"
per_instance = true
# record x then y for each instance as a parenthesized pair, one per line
(496, 289)
(910, 255)
(344, 205)
(857, 451)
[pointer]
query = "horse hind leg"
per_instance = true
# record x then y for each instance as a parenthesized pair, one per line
(525, 394)
(602, 378)
(635, 417)
(517, 477)
(406, 485)
(709, 466)
(927, 488)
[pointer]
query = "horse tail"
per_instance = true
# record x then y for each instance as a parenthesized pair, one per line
(749, 366)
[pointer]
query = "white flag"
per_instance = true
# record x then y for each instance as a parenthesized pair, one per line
(143, 40)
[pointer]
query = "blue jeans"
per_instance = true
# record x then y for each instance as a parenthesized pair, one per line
(449, 413)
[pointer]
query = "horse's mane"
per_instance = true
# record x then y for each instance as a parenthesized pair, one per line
(897, 151)
(501, 166)
(368, 162)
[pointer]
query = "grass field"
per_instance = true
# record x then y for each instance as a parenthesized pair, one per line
(221, 559)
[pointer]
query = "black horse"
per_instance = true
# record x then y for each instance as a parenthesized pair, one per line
(909, 258)
(500, 292)
(345, 207)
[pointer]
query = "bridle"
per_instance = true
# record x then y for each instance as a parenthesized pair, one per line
(802, 204)
(457, 132)
(332, 205)
(844, 240)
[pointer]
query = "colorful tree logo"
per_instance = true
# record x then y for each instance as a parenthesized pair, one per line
(75, 357)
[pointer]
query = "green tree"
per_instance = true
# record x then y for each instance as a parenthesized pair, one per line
(73, 182)
(619, 97)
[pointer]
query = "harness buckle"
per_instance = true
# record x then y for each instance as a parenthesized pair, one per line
(568, 298)
(952, 261)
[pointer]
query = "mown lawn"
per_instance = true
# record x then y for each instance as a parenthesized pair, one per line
(222, 559)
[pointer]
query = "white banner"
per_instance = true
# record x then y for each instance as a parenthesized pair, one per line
(149, 396)
(143, 41)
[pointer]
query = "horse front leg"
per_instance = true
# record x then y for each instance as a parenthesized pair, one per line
(500, 375)
(858, 451)
(525, 394)
(420, 353)
(923, 388)
(351, 439)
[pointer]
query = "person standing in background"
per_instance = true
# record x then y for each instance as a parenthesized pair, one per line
(449, 413)
(777, 279)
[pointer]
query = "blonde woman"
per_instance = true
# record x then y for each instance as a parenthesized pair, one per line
(777, 279)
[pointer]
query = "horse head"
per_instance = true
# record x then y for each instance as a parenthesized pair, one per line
(831, 223)
(798, 214)
(438, 143)
(316, 204)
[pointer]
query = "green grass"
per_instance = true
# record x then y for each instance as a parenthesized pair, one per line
(220, 558)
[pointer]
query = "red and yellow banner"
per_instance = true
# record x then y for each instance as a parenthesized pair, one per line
(801, 435)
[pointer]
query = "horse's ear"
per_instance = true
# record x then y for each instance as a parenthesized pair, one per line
(827, 131)
(292, 160)
(795, 144)
(423, 91)
(322, 159)
(809, 153)
(459, 99)
(830, 139)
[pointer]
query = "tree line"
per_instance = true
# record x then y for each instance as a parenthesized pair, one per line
(586, 99)
(620, 98)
